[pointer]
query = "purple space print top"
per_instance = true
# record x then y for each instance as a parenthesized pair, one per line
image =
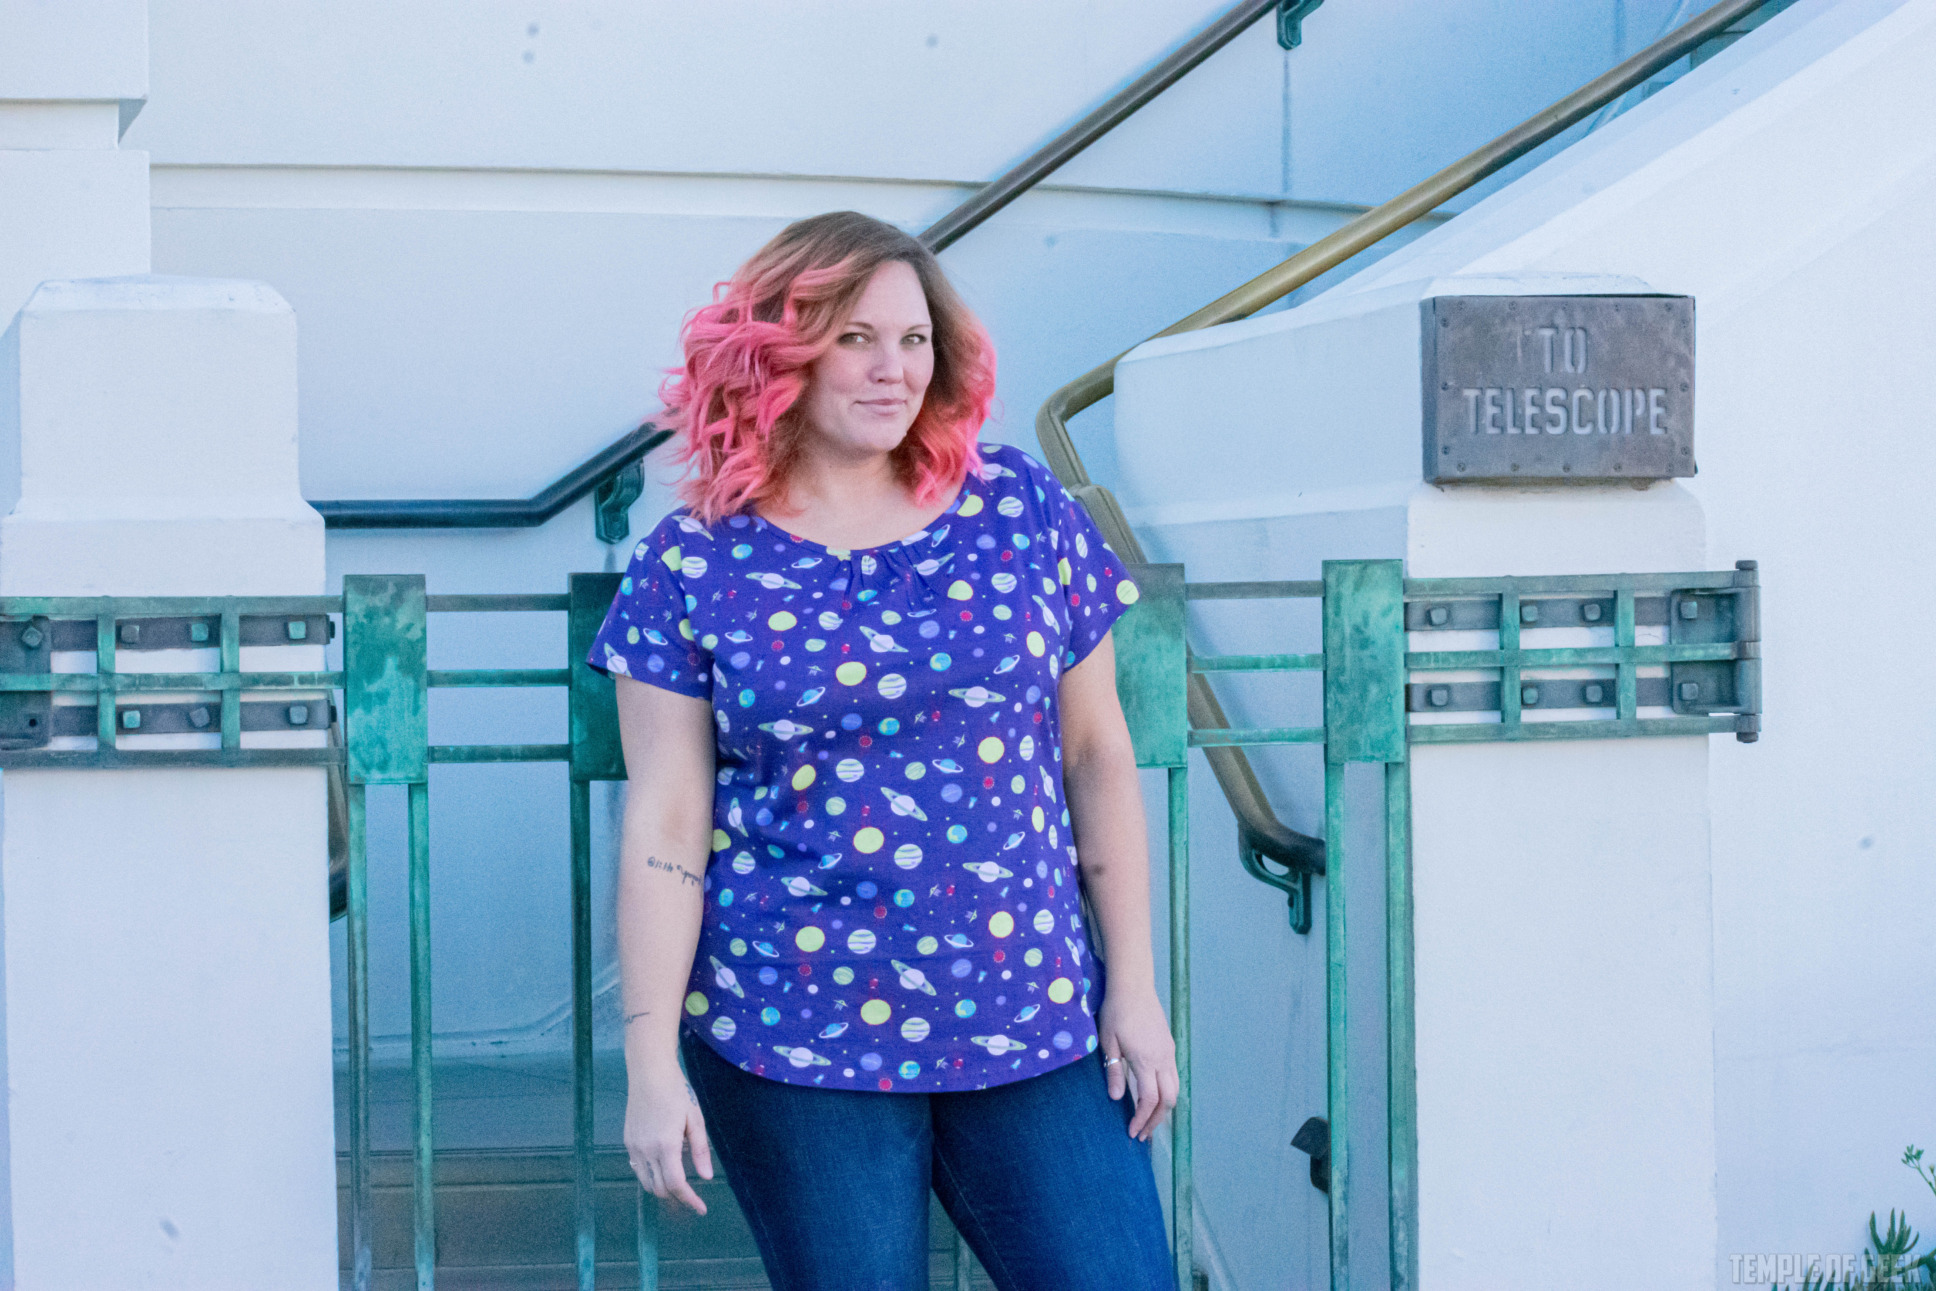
(892, 900)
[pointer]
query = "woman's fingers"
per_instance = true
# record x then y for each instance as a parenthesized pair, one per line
(1114, 1067)
(1147, 1098)
(662, 1173)
(702, 1148)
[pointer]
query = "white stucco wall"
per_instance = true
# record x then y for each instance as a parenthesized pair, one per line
(1786, 186)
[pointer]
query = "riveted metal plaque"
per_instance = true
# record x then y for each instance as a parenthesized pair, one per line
(1545, 388)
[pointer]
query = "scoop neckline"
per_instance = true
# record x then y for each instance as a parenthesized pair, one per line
(961, 495)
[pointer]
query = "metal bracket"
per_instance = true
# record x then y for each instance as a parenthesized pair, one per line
(612, 503)
(26, 716)
(1313, 1138)
(1721, 686)
(1290, 21)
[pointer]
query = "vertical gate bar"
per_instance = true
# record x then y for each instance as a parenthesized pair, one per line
(584, 1215)
(420, 1036)
(1625, 687)
(104, 665)
(1182, 1145)
(1401, 1070)
(1337, 1079)
(648, 1241)
(1509, 640)
(231, 703)
(357, 937)
(1364, 721)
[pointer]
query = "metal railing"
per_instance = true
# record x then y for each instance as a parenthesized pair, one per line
(1704, 678)
(1261, 835)
(613, 471)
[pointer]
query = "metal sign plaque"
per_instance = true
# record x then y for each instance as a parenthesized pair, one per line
(1546, 388)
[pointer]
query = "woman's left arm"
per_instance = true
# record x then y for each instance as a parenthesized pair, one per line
(1112, 850)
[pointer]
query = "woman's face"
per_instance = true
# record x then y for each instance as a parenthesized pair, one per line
(865, 391)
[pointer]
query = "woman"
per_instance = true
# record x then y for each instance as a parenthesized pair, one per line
(867, 696)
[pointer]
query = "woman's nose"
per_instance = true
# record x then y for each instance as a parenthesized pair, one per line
(889, 366)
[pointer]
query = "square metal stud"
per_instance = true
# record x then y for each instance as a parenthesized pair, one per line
(1690, 691)
(299, 714)
(1690, 609)
(198, 632)
(1529, 696)
(1529, 613)
(130, 633)
(1438, 616)
(199, 718)
(130, 719)
(1595, 694)
(298, 629)
(31, 637)
(1591, 611)
(1440, 696)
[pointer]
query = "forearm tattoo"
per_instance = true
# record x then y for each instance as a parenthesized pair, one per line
(685, 875)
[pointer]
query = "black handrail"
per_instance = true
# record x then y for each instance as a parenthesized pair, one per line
(610, 470)
(497, 513)
(1115, 110)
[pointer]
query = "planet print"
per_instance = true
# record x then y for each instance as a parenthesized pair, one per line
(709, 610)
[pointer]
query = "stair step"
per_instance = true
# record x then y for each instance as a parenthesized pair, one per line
(504, 1223)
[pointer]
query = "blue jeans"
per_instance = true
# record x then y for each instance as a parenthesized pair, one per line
(1040, 1175)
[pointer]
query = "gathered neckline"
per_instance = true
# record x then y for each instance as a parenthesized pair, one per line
(894, 544)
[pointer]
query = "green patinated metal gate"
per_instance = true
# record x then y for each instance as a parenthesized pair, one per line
(1380, 697)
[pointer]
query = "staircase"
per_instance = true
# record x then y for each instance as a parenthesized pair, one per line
(504, 1192)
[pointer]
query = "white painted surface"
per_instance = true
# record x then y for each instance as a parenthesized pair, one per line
(74, 49)
(166, 948)
(1783, 185)
(68, 213)
(1563, 945)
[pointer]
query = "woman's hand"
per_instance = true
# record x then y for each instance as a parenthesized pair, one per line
(661, 1118)
(1132, 1027)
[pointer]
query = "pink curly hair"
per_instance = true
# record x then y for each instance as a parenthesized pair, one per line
(747, 355)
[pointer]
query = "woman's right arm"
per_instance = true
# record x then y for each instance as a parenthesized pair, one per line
(667, 837)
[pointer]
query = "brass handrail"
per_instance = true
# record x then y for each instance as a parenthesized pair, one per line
(1259, 830)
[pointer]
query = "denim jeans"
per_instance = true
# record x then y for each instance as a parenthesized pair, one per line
(1040, 1175)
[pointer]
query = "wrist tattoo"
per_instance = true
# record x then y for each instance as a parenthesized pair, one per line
(685, 875)
(630, 1018)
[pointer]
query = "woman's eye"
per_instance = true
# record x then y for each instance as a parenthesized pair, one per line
(914, 339)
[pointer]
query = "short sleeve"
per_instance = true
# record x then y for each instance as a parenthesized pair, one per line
(648, 633)
(1095, 586)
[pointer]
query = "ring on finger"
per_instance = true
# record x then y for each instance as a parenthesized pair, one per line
(1110, 1062)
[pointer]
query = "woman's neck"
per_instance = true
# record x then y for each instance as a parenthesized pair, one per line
(849, 503)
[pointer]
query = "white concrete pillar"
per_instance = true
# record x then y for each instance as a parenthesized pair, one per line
(72, 205)
(166, 995)
(1563, 928)
(1563, 945)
